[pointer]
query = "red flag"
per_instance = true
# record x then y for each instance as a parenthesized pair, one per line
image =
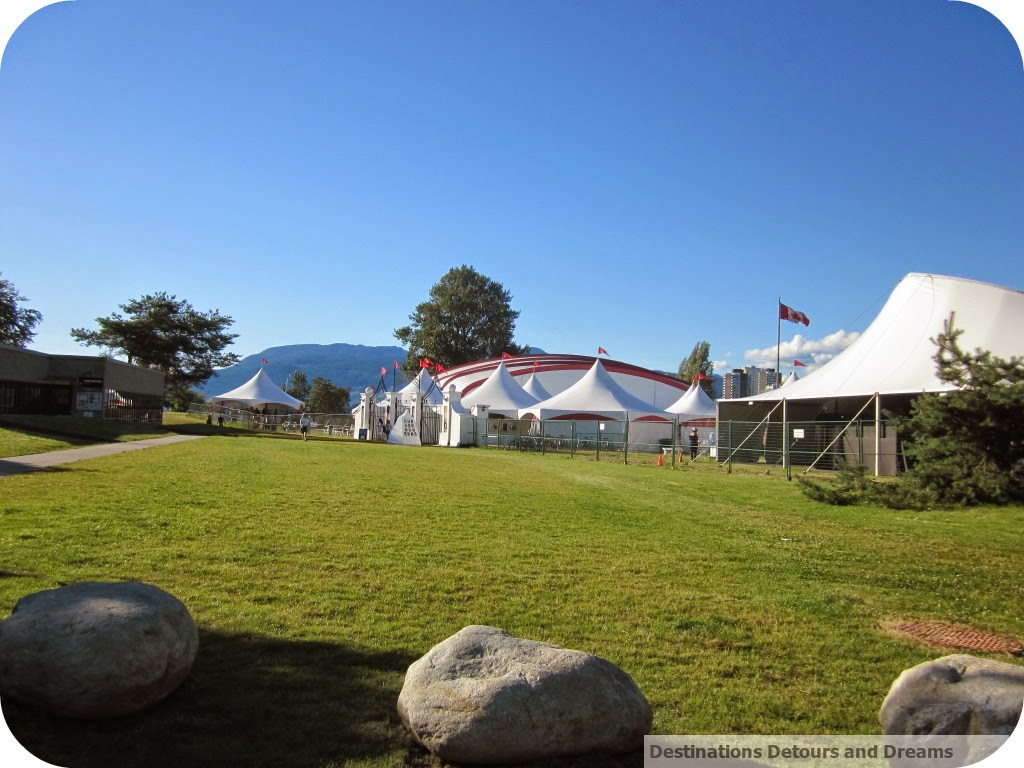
(426, 362)
(383, 371)
(440, 368)
(506, 356)
(265, 361)
(701, 377)
(602, 351)
(396, 365)
(536, 363)
(798, 363)
(788, 313)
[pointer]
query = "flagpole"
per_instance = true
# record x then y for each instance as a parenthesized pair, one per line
(778, 342)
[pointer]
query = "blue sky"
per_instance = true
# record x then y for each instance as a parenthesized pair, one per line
(640, 175)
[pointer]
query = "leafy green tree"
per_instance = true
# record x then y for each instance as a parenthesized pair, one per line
(181, 399)
(298, 386)
(17, 323)
(468, 317)
(168, 334)
(698, 363)
(325, 397)
(966, 446)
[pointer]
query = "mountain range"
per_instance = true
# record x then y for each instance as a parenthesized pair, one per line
(346, 365)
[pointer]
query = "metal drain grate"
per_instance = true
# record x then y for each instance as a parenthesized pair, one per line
(942, 635)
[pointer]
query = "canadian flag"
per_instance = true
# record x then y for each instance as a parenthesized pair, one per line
(788, 313)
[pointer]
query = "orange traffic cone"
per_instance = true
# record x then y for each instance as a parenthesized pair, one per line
(660, 461)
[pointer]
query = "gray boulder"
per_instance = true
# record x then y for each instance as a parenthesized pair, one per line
(955, 695)
(483, 696)
(96, 649)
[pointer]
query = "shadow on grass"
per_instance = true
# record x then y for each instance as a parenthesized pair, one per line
(248, 701)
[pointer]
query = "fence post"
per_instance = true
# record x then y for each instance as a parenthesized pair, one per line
(728, 462)
(572, 440)
(598, 441)
(675, 430)
(785, 441)
(625, 443)
(542, 440)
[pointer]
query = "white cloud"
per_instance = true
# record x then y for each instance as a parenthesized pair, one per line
(813, 352)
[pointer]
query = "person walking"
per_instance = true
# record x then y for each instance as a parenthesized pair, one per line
(304, 423)
(694, 440)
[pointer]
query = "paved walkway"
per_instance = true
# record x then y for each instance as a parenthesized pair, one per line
(16, 465)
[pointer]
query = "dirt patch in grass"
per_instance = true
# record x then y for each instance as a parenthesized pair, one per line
(940, 634)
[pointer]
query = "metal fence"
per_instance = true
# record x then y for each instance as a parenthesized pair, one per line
(802, 446)
(632, 442)
(328, 424)
(799, 446)
(794, 446)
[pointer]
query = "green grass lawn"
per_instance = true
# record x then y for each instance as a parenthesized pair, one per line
(22, 435)
(319, 571)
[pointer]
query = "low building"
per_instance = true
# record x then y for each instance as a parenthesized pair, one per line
(78, 385)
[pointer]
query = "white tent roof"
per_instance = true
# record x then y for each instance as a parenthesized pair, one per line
(694, 404)
(535, 388)
(502, 393)
(789, 379)
(260, 390)
(424, 385)
(596, 394)
(895, 353)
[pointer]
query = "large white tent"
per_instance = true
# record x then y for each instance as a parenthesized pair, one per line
(502, 393)
(258, 391)
(895, 354)
(557, 372)
(595, 396)
(885, 369)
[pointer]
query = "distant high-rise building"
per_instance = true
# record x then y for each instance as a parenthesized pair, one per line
(744, 382)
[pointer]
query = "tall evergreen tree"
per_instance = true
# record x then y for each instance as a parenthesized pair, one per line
(966, 446)
(298, 386)
(468, 317)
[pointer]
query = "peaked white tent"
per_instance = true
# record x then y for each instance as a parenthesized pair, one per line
(502, 393)
(422, 385)
(595, 396)
(258, 391)
(789, 379)
(694, 404)
(535, 388)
